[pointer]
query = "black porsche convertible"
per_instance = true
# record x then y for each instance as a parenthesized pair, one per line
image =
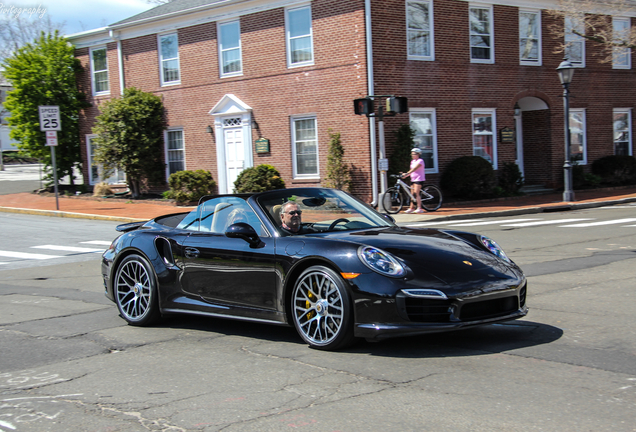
(347, 272)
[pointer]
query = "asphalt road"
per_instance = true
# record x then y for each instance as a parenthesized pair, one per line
(68, 362)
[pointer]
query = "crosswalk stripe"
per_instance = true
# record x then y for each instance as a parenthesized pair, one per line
(590, 224)
(67, 248)
(491, 222)
(97, 242)
(549, 222)
(416, 224)
(23, 255)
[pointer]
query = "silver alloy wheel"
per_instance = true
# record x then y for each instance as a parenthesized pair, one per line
(133, 289)
(318, 308)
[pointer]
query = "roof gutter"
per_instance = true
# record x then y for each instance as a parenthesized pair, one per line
(371, 88)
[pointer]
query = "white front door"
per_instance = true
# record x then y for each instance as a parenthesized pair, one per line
(234, 155)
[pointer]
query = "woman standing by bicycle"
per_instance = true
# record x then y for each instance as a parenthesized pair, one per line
(417, 179)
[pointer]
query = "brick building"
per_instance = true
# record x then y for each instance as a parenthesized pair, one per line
(234, 73)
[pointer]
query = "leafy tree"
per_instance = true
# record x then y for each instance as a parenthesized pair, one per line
(43, 73)
(130, 137)
(338, 172)
(400, 159)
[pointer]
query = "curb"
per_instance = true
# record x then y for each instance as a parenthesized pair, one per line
(71, 215)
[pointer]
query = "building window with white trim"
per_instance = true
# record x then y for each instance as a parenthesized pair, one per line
(623, 132)
(305, 147)
(423, 122)
(530, 38)
(578, 136)
(621, 56)
(484, 136)
(99, 71)
(230, 58)
(574, 44)
(175, 151)
(96, 171)
(481, 34)
(419, 30)
(300, 46)
(169, 59)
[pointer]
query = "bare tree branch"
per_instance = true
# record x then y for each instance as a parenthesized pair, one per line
(592, 20)
(19, 26)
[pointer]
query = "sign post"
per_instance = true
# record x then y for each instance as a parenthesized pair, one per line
(50, 124)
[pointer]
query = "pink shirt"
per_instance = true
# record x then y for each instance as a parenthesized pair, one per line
(418, 174)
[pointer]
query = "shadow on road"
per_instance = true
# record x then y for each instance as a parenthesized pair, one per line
(489, 339)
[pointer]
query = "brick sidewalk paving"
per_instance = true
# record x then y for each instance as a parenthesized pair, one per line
(123, 209)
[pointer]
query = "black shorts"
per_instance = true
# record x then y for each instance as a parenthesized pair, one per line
(417, 182)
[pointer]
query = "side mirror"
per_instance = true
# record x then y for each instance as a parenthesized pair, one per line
(388, 217)
(243, 231)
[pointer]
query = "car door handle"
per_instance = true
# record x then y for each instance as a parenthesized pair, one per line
(191, 252)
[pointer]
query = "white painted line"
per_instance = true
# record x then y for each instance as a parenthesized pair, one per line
(98, 242)
(2, 263)
(610, 222)
(67, 248)
(527, 224)
(22, 255)
(441, 223)
(493, 222)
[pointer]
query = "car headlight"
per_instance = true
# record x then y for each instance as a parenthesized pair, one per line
(493, 247)
(381, 261)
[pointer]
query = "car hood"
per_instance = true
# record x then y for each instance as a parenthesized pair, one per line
(433, 254)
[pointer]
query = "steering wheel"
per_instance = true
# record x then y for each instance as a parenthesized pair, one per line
(336, 222)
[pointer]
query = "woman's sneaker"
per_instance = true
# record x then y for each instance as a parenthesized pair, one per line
(419, 211)
(409, 211)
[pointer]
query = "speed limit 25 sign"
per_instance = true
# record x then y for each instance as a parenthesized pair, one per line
(50, 118)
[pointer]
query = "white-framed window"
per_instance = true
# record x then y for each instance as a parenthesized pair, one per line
(578, 136)
(169, 59)
(175, 151)
(419, 30)
(230, 54)
(574, 44)
(305, 146)
(482, 41)
(99, 71)
(622, 57)
(96, 172)
(424, 123)
(485, 134)
(298, 28)
(622, 123)
(530, 37)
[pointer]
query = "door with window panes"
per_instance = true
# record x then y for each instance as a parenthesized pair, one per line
(234, 150)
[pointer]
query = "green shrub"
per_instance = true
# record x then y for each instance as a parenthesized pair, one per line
(258, 179)
(615, 170)
(510, 179)
(400, 159)
(338, 172)
(188, 186)
(469, 177)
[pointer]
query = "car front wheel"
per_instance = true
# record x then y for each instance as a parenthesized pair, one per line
(321, 309)
(136, 291)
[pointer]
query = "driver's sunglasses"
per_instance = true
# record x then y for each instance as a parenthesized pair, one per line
(295, 212)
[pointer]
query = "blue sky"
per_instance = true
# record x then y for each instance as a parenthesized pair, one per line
(80, 15)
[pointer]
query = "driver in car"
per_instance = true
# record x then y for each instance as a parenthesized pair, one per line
(290, 216)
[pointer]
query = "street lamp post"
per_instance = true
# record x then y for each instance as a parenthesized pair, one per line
(566, 71)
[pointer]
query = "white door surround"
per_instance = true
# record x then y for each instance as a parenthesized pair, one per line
(233, 135)
(528, 103)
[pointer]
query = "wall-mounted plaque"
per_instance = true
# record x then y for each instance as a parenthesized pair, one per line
(507, 135)
(262, 145)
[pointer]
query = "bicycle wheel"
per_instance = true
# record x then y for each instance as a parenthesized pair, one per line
(431, 198)
(392, 201)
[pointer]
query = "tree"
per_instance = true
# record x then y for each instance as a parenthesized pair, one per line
(338, 172)
(592, 20)
(400, 159)
(130, 137)
(44, 73)
(19, 26)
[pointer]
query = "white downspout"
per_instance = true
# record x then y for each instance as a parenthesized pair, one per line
(374, 161)
(120, 61)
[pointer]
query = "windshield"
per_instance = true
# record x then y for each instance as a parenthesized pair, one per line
(316, 210)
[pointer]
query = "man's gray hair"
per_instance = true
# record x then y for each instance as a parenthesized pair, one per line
(282, 208)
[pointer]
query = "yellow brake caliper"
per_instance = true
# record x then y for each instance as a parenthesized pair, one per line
(312, 297)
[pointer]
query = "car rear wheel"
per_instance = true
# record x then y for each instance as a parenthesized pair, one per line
(136, 291)
(321, 309)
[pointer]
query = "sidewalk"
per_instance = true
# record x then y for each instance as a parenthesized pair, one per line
(118, 209)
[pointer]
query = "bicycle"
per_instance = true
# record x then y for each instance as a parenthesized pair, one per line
(397, 197)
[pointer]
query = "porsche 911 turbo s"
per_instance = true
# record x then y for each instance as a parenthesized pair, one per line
(314, 258)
